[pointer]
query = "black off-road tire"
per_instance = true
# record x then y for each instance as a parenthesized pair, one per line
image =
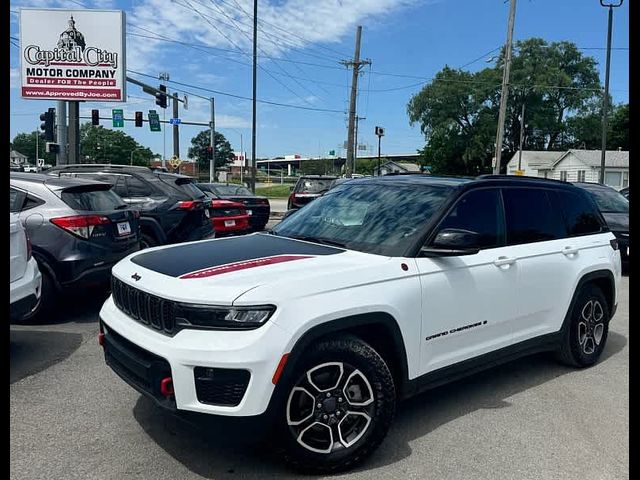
(352, 353)
(573, 351)
(147, 241)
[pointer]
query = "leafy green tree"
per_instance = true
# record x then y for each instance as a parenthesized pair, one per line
(25, 143)
(103, 145)
(585, 129)
(618, 132)
(199, 149)
(458, 110)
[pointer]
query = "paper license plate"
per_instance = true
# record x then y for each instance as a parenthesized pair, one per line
(229, 223)
(124, 228)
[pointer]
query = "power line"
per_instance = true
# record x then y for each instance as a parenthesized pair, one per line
(241, 97)
(240, 49)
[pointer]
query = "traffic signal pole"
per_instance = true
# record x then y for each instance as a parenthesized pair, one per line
(74, 132)
(61, 122)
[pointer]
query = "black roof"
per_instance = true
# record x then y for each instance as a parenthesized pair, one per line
(593, 186)
(111, 168)
(458, 181)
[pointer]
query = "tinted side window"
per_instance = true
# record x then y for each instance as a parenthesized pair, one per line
(530, 216)
(479, 211)
(16, 199)
(579, 212)
(137, 188)
(119, 187)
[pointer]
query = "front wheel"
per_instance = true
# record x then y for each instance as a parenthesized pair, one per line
(339, 408)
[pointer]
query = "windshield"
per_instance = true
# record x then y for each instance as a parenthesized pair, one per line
(610, 201)
(313, 185)
(227, 190)
(371, 218)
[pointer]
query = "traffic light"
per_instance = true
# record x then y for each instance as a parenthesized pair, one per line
(95, 117)
(138, 119)
(161, 98)
(48, 119)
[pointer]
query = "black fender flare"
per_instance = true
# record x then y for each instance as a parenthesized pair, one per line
(151, 224)
(45, 266)
(586, 278)
(347, 325)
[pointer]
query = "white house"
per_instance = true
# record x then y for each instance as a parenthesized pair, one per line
(534, 163)
(397, 167)
(18, 158)
(574, 166)
(584, 166)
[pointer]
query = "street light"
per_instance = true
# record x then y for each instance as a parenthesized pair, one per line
(605, 104)
(131, 156)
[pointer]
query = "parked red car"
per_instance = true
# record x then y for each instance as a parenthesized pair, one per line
(228, 217)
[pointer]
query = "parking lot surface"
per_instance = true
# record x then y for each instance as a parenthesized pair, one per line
(73, 418)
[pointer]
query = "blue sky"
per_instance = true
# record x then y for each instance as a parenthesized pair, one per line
(300, 44)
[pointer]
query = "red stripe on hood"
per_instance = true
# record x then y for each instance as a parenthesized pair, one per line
(232, 267)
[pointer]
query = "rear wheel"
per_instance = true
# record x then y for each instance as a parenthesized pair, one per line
(588, 329)
(339, 408)
(147, 241)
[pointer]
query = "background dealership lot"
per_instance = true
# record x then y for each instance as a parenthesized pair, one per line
(72, 417)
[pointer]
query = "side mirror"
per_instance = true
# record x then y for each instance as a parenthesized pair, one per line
(452, 242)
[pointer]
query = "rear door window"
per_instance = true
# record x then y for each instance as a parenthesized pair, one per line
(580, 213)
(530, 216)
(92, 199)
(137, 188)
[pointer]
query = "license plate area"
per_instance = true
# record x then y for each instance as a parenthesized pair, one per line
(229, 223)
(124, 229)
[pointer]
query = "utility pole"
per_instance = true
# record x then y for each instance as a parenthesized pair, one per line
(37, 147)
(252, 182)
(605, 102)
(61, 122)
(212, 142)
(74, 132)
(521, 137)
(355, 150)
(176, 132)
(505, 86)
(356, 64)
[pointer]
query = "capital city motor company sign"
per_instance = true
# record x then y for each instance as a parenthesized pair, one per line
(59, 63)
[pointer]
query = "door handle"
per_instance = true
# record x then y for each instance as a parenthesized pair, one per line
(502, 261)
(569, 251)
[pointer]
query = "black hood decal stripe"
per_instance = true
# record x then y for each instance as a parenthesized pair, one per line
(180, 260)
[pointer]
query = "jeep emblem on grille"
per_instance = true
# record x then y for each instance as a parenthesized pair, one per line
(136, 277)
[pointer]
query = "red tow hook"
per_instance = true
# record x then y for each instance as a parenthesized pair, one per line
(101, 339)
(166, 387)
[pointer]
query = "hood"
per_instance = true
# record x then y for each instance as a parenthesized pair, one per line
(617, 222)
(219, 271)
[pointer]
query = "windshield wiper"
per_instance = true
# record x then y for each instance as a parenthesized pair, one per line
(323, 241)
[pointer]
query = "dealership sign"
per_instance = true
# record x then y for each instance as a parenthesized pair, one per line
(72, 54)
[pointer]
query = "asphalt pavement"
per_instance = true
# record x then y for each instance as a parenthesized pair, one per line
(73, 418)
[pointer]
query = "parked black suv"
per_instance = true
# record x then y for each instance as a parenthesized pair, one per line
(615, 210)
(78, 230)
(172, 208)
(308, 188)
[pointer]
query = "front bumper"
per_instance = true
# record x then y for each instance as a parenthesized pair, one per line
(257, 351)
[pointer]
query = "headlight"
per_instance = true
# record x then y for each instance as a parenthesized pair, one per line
(224, 318)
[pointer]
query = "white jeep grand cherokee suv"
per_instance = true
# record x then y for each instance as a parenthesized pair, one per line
(380, 289)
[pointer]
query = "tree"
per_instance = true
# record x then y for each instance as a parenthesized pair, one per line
(585, 130)
(25, 143)
(200, 149)
(103, 145)
(458, 110)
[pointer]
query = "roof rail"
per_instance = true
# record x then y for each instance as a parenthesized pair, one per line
(95, 165)
(518, 177)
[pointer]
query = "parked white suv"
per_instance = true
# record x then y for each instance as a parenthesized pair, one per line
(380, 289)
(25, 280)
